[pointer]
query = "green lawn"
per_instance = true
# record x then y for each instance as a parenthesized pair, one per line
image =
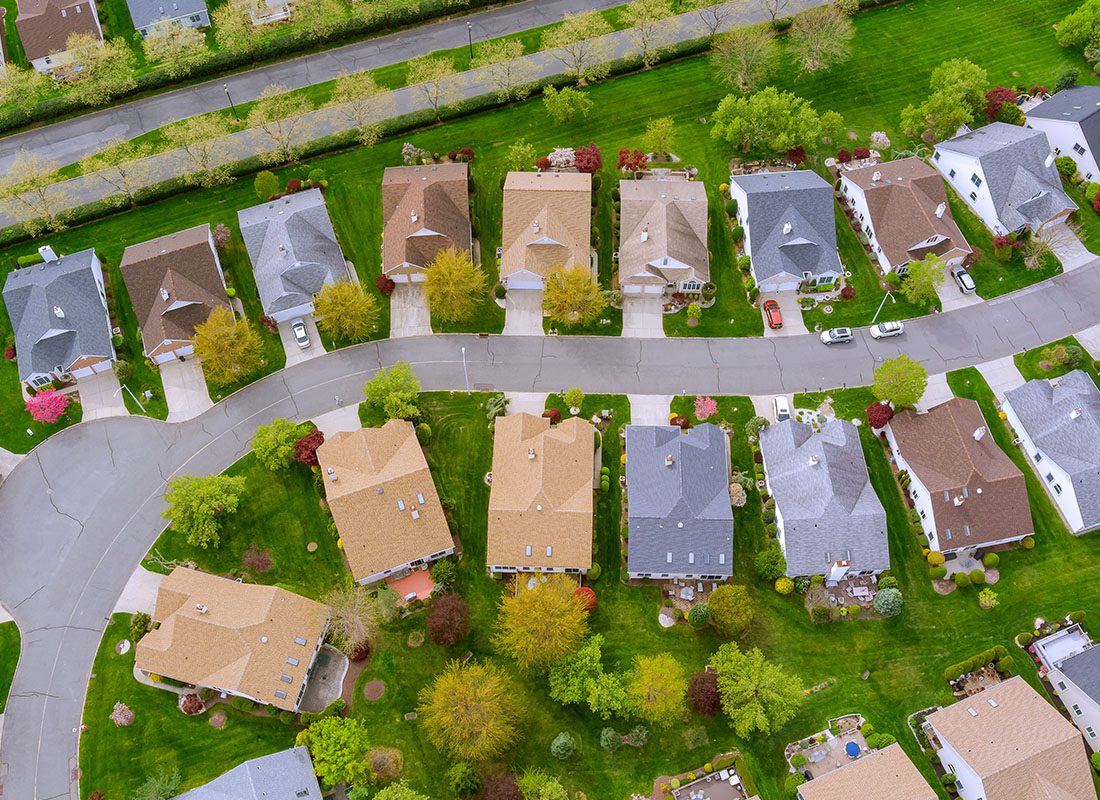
(9, 658)
(12, 44)
(117, 23)
(1087, 219)
(15, 422)
(1034, 363)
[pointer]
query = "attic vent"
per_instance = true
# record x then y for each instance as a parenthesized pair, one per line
(669, 460)
(941, 209)
(992, 702)
(538, 507)
(979, 433)
(530, 454)
(163, 294)
(787, 227)
(971, 711)
(535, 226)
(549, 550)
(1075, 413)
(877, 176)
(57, 312)
(200, 608)
(668, 557)
(814, 460)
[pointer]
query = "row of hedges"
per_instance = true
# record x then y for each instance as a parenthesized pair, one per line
(994, 655)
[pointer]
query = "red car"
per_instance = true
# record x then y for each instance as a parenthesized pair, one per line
(772, 314)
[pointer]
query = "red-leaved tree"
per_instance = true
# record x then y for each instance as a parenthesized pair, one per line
(552, 414)
(47, 406)
(796, 155)
(305, 449)
(878, 414)
(843, 156)
(588, 158)
(631, 160)
(861, 152)
(587, 597)
(997, 97)
(703, 693)
(384, 284)
(448, 620)
(543, 163)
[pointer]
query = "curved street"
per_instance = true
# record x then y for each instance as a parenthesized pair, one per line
(83, 508)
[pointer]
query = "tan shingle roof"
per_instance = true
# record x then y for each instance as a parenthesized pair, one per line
(672, 216)
(437, 196)
(376, 469)
(185, 267)
(43, 30)
(545, 501)
(941, 450)
(1022, 749)
(880, 775)
(560, 203)
(241, 642)
(903, 204)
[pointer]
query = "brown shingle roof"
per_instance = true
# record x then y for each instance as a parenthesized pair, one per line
(903, 204)
(672, 217)
(880, 775)
(185, 267)
(941, 450)
(43, 29)
(376, 469)
(436, 195)
(545, 501)
(547, 221)
(1022, 748)
(242, 641)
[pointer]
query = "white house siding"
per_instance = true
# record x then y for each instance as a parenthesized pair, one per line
(303, 310)
(858, 199)
(1063, 135)
(378, 576)
(922, 499)
(966, 779)
(1083, 710)
(200, 19)
(964, 166)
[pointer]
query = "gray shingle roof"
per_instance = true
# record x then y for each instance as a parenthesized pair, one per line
(822, 492)
(293, 249)
(44, 340)
(1024, 189)
(801, 198)
(683, 509)
(147, 12)
(1084, 670)
(1080, 104)
(286, 775)
(1073, 443)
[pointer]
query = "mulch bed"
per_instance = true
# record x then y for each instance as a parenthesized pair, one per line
(373, 690)
(992, 575)
(217, 719)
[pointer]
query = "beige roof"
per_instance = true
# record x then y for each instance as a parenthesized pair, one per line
(43, 29)
(425, 209)
(377, 471)
(547, 221)
(1021, 748)
(237, 637)
(544, 502)
(885, 774)
(663, 232)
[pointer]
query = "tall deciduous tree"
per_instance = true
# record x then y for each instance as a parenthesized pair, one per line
(454, 285)
(648, 21)
(768, 120)
(448, 619)
(175, 49)
(22, 88)
(958, 98)
(821, 37)
(319, 19)
(578, 45)
(607, 696)
(923, 279)
(540, 626)
(33, 196)
(344, 311)
(506, 69)
(230, 348)
(358, 99)
(99, 70)
(398, 791)
(284, 118)
(470, 711)
(900, 381)
(571, 678)
(393, 391)
(756, 694)
(731, 609)
(338, 747)
(233, 29)
(746, 58)
(564, 104)
(572, 296)
(657, 689)
(715, 16)
(436, 81)
(775, 7)
(121, 165)
(204, 148)
(198, 503)
(273, 444)
(659, 136)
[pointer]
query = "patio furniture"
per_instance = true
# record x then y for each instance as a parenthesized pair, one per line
(724, 774)
(687, 593)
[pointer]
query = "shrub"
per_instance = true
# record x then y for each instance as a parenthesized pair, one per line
(242, 704)
(305, 449)
(819, 614)
(877, 741)
(463, 779)
(594, 572)
(139, 626)
(878, 414)
(191, 705)
(795, 779)
(848, 292)
(610, 740)
(888, 602)
(1077, 616)
(230, 291)
(854, 611)
(563, 746)
(448, 620)
(384, 285)
(423, 433)
(1094, 759)
(1025, 638)
(937, 573)
(843, 156)
(798, 760)
(782, 24)
(731, 207)
(316, 175)
(266, 185)
(1028, 542)
(699, 615)
(288, 717)
(1067, 167)
(977, 576)
(784, 585)
(817, 580)
(887, 582)
(738, 233)
(861, 152)
(990, 560)
(935, 558)
(961, 579)
(770, 563)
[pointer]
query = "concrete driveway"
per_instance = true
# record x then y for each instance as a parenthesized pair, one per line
(937, 392)
(649, 409)
(643, 317)
(409, 314)
(764, 405)
(1067, 248)
(296, 354)
(184, 389)
(523, 313)
(1001, 375)
(1090, 340)
(793, 324)
(951, 296)
(527, 402)
(101, 396)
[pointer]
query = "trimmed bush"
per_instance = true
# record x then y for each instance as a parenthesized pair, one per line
(990, 560)
(1028, 542)
(961, 579)
(731, 207)
(784, 585)
(1025, 638)
(937, 573)
(977, 576)
(935, 558)
(1077, 616)
(738, 233)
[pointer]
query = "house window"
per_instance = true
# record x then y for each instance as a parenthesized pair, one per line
(922, 513)
(195, 18)
(1076, 709)
(974, 179)
(1062, 685)
(936, 155)
(861, 217)
(1050, 477)
(844, 188)
(973, 195)
(692, 286)
(1078, 149)
(1038, 456)
(951, 174)
(1057, 488)
(1090, 732)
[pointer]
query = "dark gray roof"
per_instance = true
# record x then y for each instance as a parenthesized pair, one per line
(286, 775)
(293, 249)
(147, 12)
(683, 509)
(801, 198)
(1025, 190)
(1080, 104)
(1072, 441)
(829, 509)
(45, 339)
(1084, 670)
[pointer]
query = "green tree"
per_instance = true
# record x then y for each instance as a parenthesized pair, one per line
(746, 58)
(821, 37)
(338, 747)
(283, 116)
(573, 398)
(888, 602)
(578, 44)
(470, 711)
(1081, 26)
(175, 49)
(957, 98)
(319, 19)
(163, 786)
(230, 349)
(234, 31)
(463, 779)
(266, 185)
(900, 381)
(34, 196)
(923, 279)
(648, 20)
(571, 677)
(768, 120)
(393, 391)
(274, 443)
(572, 296)
(659, 136)
(563, 746)
(699, 615)
(731, 609)
(520, 156)
(204, 146)
(657, 688)
(538, 627)
(791, 784)
(398, 791)
(22, 88)
(607, 696)
(564, 104)
(454, 285)
(344, 311)
(770, 563)
(754, 426)
(360, 101)
(121, 165)
(100, 69)
(198, 503)
(756, 694)
(436, 81)
(535, 784)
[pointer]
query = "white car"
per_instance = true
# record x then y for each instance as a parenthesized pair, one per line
(884, 330)
(964, 280)
(301, 335)
(836, 335)
(782, 409)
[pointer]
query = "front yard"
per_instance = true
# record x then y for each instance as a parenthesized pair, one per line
(9, 658)
(1054, 360)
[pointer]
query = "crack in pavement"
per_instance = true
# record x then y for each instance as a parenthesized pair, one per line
(29, 596)
(49, 495)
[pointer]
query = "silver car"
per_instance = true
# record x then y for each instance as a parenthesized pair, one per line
(301, 335)
(885, 330)
(836, 335)
(964, 280)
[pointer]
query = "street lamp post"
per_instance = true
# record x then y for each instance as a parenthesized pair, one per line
(232, 105)
(470, 36)
(465, 372)
(130, 392)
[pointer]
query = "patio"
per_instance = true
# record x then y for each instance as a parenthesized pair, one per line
(685, 594)
(857, 590)
(973, 682)
(412, 584)
(722, 785)
(837, 748)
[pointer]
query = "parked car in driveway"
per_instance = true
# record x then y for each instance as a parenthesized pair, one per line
(773, 315)
(836, 335)
(964, 280)
(301, 335)
(884, 330)
(782, 409)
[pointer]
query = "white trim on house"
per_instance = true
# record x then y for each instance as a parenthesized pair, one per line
(1067, 139)
(417, 564)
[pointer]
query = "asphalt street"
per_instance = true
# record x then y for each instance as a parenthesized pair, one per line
(84, 507)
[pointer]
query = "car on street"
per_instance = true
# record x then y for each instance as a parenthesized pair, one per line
(301, 335)
(964, 280)
(782, 409)
(836, 335)
(773, 315)
(884, 330)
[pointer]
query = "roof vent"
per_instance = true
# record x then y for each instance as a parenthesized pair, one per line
(263, 640)
(412, 215)
(814, 460)
(787, 227)
(535, 226)
(957, 500)
(877, 176)
(378, 490)
(979, 433)
(538, 507)
(58, 312)
(1075, 413)
(201, 608)
(679, 524)
(669, 460)
(331, 474)
(163, 294)
(941, 209)
(645, 233)
(971, 711)
(992, 702)
(530, 454)
(668, 557)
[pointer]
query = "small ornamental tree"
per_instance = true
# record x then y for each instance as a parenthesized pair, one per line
(121, 715)
(888, 602)
(587, 597)
(448, 620)
(222, 236)
(705, 408)
(305, 449)
(770, 563)
(47, 406)
(274, 444)
(463, 779)
(563, 746)
(879, 140)
(703, 693)
(997, 97)
(878, 414)
(900, 381)
(588, 158)
(631, 160)
(699, 615)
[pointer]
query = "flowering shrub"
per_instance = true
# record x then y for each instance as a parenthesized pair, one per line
(121, 715)
(221, 236)
(466, 153)
(631, 160)
(305, 449)
(190, 704)
(843, 156)
(588, 158)
(879, 140)
(1038, 89)
(269, 324)
(47, 406)
(848, 292)
(562, 157)
(409, 153)
(705, 408)
(9, 352)
(796, 155)
(543, 163)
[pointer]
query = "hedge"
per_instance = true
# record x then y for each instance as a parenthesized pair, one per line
(990, 656)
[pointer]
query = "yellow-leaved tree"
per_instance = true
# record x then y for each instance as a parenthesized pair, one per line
(540, 626)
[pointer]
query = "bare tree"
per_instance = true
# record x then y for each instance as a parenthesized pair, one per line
(283, 116)
(746, 57)
(579, 45)
(203, 143)
(1047, 241)
(122, 165)
(715, 16)
(354, 618)
(647, 20)
(775, 7)
(506, 68)
(33, 196)
(436, 81)
(820, 37)
(358, 99)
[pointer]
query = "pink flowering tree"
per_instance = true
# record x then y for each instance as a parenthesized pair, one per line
(47, 406)
(705, 407)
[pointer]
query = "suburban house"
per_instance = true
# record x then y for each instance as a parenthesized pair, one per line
(285, 775)
(828, 518)
(540, 501)
(1007, 176)
(903, 211)
(1071, 663)
(425, 210)
(45, 27)
(383, 500)
(243, 639)
(294, 252)
(885, 774)
(58, 312)
(663, 236)
(1008, 743)
(149, 15)
(790, 229)
(680, 518)
(1058, 425)
(547, 224)
(1071, 121)
(967, 492)
(174, 282)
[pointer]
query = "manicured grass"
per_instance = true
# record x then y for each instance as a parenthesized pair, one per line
(1031, 362)
(280, 513)
(12, 43)
(1085, 217)
(117, 23)
(9, 658)
(15, 421)
(117, 760)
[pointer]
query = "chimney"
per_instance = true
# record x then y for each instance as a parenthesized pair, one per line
(530, 454)
(645, 233)
(787, 227)
(813, 460)
(979, 433)
(1049, 161)
(163, 294)
(200, 608)
(669, 460)
(941, 209)
(331, 474)
(47, 253)
(1075, 413)
(877, 176)
(58, 312)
